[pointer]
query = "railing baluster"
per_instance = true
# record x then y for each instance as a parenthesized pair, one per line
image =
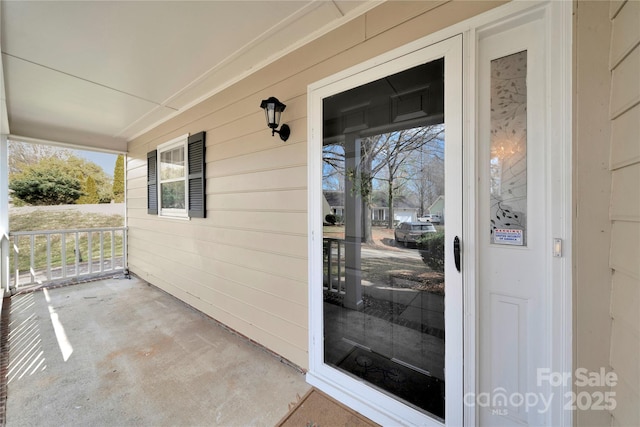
(90, 251)
(329, 249)
(113, 249)
(63, 253)
(101, 251)
(77, 254)
(48, 256)
(340, 285)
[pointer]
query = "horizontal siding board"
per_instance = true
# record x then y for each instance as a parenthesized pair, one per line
(137, 170)
(625, 194)
(285, 200)
(281, 281)
(275, 343)
(625, 84)
(625, 348)
(387, 16)
(625, 248)
(625, 33)
(137, 182)
(161, 230)
(136, 192)
(614, 7)
(293, 177)
(224, 302)
(627, 411)
(275, 222)
(279, 265)
(254, 143)
(625, 300)
(226, 294)
(277, 158)
(137, 203)
(221, 291)
(625, 140)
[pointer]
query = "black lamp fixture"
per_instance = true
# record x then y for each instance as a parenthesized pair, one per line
(272, 110)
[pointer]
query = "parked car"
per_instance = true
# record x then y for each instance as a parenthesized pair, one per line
(410, 232)
(432, 218)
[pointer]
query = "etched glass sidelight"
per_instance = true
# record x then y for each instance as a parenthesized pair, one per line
(508, 167)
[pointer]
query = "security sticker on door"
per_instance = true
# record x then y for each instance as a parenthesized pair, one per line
(504, 236)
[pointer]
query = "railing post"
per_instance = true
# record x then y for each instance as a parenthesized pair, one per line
(5, 264)
(125, 250)
(5, 243)
(16, 262)
(32, 261)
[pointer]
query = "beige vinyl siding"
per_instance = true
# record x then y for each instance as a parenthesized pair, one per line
(625, 209)
(246, 264)
(592, 178)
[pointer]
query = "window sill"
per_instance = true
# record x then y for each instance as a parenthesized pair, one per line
(177, 217)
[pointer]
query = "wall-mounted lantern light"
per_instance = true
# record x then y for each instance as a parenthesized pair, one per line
(272, 110)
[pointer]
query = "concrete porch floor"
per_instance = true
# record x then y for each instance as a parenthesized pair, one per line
(122, 352)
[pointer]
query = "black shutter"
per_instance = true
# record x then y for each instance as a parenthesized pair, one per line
(197, 178)
(152, 182)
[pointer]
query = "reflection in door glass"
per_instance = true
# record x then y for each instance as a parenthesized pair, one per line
(384, 219)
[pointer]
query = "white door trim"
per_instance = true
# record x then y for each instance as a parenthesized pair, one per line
(558, 47)
(379, 406)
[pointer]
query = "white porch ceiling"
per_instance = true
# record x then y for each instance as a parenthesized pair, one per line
(99, 73)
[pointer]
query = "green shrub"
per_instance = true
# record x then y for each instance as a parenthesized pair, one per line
(431, 249)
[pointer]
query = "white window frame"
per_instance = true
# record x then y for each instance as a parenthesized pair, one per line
(178, 142)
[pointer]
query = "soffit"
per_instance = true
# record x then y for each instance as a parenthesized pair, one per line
(99, 73)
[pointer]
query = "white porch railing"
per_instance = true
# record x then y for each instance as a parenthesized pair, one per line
(58, 255)
(333, 265)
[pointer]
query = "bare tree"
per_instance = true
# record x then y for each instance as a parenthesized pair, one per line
(426, 172)
(387, 158)
(391, 153)
(24, 154)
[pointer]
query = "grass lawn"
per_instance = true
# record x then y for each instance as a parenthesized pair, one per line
(61, 220)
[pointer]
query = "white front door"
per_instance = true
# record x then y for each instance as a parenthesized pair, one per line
(386, 298)
(517, 301)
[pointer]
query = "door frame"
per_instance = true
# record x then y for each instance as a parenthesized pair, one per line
(558, 47)
(325, 377)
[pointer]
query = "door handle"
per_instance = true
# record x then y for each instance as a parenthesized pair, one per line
(456, 252)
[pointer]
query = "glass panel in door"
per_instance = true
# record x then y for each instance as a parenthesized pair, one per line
(383, 235)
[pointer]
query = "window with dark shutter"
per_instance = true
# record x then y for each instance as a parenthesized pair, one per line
(163, 167)
(196, 178)
(152, 182)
